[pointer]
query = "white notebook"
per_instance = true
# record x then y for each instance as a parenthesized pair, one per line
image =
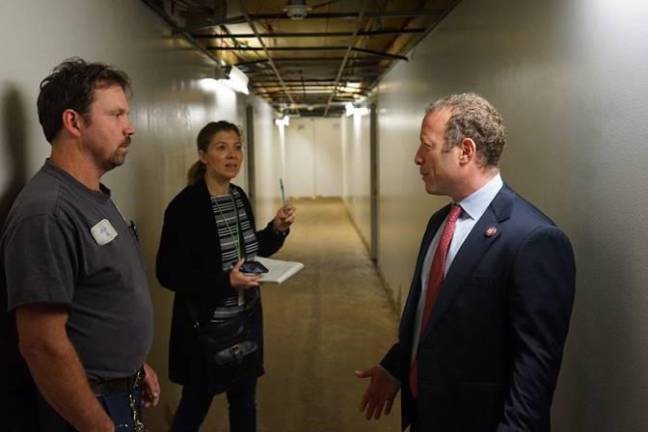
(279, 270)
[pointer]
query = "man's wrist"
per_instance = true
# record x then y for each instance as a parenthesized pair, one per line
(390, 376)
(106, 425)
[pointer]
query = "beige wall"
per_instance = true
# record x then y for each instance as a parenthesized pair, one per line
(569, 78)
(168, 108)
(356, 171)
(313, 157)
(268, 162)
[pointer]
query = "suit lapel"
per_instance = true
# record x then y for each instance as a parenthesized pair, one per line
(471, 252)
(409, 312)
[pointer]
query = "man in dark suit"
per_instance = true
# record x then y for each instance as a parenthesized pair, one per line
(482, 333)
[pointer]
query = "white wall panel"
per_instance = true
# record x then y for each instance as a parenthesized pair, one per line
(328, 157)
(569, 79)
(313, 157)
(268, 161)
(357, 188)
(300, 158)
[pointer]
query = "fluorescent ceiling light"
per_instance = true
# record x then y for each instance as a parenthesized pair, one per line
(209, 84)
(235, 79)
(349, 109)
(283, 121)
(352, 110)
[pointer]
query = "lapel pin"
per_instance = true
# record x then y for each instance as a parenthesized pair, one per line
(490, 231)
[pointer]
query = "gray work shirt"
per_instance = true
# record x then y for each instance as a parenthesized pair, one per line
(69, 245)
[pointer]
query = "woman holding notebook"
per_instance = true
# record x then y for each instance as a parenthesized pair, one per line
(206, 257)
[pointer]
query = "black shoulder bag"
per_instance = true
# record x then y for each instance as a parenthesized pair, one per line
(229, 351)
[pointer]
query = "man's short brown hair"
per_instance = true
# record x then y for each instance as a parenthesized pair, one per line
(71, 85)
(472, 116)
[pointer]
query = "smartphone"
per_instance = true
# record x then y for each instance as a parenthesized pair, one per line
(253, 267)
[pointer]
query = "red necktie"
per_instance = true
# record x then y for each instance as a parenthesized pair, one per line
(435, 279)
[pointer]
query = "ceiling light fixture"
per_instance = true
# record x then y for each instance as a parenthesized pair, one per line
(233, 78)
(352, 110)
(349, 109)
(296, 9)
(282, 121)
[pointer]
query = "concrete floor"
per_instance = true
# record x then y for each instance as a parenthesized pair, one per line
(330, 319)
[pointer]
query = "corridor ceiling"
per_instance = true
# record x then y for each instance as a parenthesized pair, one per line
(306, 57)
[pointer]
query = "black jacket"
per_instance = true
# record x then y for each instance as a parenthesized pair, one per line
(189, 263)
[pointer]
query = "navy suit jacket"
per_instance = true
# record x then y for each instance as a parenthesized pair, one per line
(489, 357)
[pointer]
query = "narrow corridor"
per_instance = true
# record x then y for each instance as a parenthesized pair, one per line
(330, 319)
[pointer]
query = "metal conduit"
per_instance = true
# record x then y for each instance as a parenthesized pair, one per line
(267, 53)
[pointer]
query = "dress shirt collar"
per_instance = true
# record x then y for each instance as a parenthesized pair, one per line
(475, 204)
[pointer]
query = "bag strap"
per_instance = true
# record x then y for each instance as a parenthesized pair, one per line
(193, 314)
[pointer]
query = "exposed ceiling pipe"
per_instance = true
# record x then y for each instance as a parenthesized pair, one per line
(282, 48)
(301, 73)
(310, 48)
(228, 34)
(267, 53)
(178, 31)
(357, 60)
(383, 32)
(380, 54)
(334, 15)
(442, 16)
(297, 81)
(346, 56)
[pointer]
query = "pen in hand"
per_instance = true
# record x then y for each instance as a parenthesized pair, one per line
(286, 214)
(283, 193)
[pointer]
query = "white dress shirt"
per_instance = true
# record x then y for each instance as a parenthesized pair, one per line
(473, 206)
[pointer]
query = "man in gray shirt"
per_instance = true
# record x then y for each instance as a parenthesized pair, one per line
(72, 268)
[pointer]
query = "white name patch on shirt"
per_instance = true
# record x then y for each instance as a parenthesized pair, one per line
(103, 232)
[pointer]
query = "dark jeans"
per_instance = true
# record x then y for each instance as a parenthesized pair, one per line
(46, 419)
(118, 407)
(196, 400)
